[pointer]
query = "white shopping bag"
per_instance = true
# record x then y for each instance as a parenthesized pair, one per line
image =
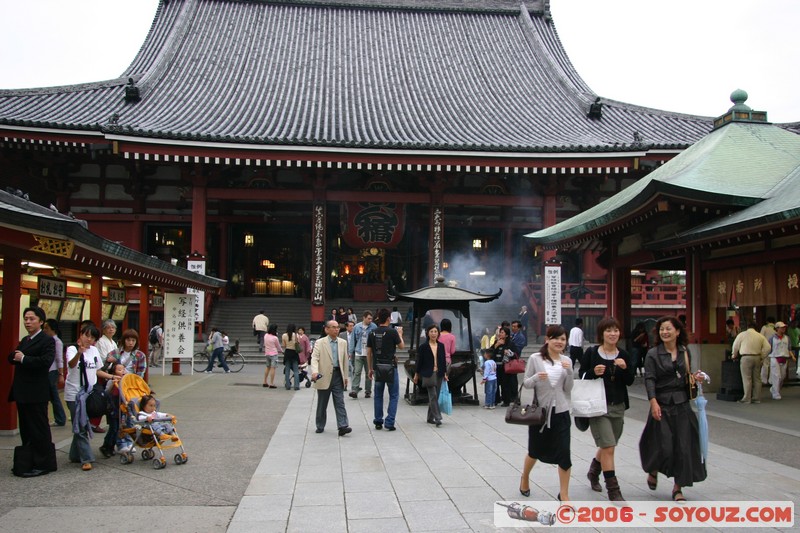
(589, 398)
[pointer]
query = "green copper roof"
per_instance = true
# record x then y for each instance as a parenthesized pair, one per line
(740, 164)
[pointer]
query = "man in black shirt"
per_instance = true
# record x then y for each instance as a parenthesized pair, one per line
(382, 363)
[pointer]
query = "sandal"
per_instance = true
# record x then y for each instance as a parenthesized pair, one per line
(677, 496)
(652, 481)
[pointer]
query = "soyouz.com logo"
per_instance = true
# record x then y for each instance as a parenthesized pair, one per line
(645, 514)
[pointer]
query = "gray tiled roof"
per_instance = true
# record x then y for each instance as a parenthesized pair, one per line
(423, 74)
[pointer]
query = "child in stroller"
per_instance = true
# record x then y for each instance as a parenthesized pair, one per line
(151, 431)
(147, 413)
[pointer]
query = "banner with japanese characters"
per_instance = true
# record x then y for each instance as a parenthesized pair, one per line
(198, 267)
(552, 295)
(178, 325)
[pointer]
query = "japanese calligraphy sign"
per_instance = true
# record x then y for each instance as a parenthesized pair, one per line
(198, 267)
(368, 224)
(552, 294)
(52, 288)
(318, 256)
(117, 296)
(179, 312)
(437, 241)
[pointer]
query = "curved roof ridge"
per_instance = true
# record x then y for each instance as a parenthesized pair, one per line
(656, 111)
(482, 6)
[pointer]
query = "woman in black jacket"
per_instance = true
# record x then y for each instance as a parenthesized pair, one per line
(613, 365)
(431, 369)
(503, 351)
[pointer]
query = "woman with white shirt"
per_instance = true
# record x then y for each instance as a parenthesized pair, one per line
(549, 372)
(80, 450)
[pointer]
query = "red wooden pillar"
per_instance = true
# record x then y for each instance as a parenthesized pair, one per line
(199, 206)
(96, 301)
(222, 260)
(694, 300)
(144, 322)
(9, 332)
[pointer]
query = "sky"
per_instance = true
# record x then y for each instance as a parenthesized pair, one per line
(677, 55)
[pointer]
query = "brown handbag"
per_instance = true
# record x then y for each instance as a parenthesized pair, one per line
(527, 415)
(690, 381)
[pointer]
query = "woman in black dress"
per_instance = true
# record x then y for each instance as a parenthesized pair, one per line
(549, 372)
(670, 443)
(503, 352)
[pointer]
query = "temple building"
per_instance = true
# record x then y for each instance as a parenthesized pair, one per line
(322, 148)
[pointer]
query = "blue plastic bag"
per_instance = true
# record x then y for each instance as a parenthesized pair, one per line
(445, 400)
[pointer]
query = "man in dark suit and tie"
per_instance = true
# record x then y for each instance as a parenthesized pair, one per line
(31, 390)
(329, 374)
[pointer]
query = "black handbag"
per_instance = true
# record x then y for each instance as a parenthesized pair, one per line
(98, 401)
(582, 423)
(383, 372)
(528, 415)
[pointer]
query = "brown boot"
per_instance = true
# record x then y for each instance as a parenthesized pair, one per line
(594, 475)
(612, 486)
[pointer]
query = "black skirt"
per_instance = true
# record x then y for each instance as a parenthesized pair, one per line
(551, 446)
(672, 446)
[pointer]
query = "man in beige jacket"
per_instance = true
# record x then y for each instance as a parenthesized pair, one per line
(752, 347)
(329, 374)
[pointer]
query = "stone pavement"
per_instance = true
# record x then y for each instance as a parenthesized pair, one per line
(256, 464)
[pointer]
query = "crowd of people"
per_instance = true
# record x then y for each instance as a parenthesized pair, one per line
(335, 363)
(43, 365)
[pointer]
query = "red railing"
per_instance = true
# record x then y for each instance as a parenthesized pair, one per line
(647, 295)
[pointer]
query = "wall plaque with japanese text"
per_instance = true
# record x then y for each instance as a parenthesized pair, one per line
(552, 295)
(178, 325)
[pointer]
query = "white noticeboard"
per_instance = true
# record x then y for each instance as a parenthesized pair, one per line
(552, 295)
(178, 327)
(198, 267)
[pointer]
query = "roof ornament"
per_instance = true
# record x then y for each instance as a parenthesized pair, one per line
(132, 92)
(596, 109)
(740, 112)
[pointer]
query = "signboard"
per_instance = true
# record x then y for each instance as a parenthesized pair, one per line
(52, 288)
(158, 301)
(552, 295)
(198, 267)
(116, 296)
(179, 312)
(373, 225)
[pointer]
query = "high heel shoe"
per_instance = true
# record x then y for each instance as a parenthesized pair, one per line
(525, 493)
(559, 496)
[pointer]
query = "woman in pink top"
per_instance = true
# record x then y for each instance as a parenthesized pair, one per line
(448, 339)
(272, 347)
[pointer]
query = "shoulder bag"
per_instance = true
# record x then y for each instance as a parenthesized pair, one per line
(690, 381)
(526, 415)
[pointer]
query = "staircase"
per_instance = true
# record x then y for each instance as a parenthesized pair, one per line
(235, 317)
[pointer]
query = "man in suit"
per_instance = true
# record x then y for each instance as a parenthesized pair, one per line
(31, 390)
(329, 373)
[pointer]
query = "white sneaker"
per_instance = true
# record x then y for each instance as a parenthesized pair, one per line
(125, 449)
(778, 397)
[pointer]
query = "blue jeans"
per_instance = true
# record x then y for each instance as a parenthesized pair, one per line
(291, 363)
(59, 416)
(80, 451)
(217, 354)
(490, 388)
(394, 396)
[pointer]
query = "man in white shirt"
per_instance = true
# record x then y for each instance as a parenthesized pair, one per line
(576, 342)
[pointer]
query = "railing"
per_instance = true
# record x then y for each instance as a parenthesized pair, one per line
(644, 295)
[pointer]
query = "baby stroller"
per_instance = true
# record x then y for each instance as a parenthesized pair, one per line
(132, 388)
